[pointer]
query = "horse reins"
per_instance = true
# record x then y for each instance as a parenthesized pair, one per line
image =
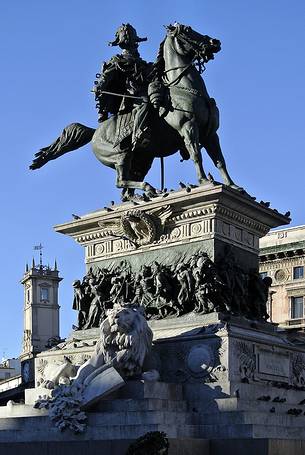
(186, 67)
(122, 95)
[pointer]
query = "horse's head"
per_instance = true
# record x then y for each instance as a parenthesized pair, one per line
(193, 43)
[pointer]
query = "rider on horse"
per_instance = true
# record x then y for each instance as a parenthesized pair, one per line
(125, 74)
(185, 118)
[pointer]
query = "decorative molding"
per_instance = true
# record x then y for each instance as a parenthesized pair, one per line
(192, 361)
(108, 246)
(208, 221)
(281, 275)
(209, 210)
(277, 263)
(242, 219)
(138, 226)
(27, 341)
(298, 369)
(247, 360)
(290, 255)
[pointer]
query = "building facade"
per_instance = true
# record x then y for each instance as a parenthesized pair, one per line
(9, 368)
(282, 257)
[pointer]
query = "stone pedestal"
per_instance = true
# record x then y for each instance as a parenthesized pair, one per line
(174, 227)
(225, 381)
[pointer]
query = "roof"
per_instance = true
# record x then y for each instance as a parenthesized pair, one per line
(284, 239)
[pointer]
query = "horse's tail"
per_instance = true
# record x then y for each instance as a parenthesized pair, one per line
(72, 137)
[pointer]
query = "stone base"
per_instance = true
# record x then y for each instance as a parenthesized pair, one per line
(231, 415)
(223, 378)
(107, 447)
(257, 447)
(233, 377)
(177, 447)
(226, 349)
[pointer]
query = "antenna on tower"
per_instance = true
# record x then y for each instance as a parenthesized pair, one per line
(39, 248)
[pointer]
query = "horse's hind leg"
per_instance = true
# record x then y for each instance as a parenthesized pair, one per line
(190, 134)
(212, 146)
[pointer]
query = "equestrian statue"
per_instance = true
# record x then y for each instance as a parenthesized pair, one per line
(148, 110)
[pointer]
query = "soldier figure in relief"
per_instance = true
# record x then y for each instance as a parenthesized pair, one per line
(80, 303)
(185, 281)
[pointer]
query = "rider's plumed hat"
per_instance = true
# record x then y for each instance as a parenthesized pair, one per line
(126, 35)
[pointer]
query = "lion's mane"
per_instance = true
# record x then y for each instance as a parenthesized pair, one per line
(125, 340)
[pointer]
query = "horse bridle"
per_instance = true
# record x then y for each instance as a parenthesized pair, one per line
(198, 56)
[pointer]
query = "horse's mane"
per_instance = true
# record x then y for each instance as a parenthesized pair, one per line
(159, 64)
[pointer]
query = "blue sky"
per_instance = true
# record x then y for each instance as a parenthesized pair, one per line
(50, 52)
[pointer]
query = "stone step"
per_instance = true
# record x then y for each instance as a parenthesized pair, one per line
(253, 391)
(145, 389)
(21, 410)
(177, 446)
(133, 389)
(50, 433)
(238, 404)
(146, 404)
(40, 432)
(248, 431)
(202, 396)
(102, 419)
(127, 404)
(247, 417)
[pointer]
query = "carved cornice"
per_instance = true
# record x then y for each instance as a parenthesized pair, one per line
(202, 203)
(282, 255)
(177, 220)
(278, 263)
(209, 210)
(242, 219)
(217, 209)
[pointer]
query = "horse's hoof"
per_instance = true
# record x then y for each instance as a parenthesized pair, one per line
(149, 190)
(148, 187)
(236, 187)
(204, 182)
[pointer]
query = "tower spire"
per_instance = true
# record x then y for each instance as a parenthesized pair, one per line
(39, 248)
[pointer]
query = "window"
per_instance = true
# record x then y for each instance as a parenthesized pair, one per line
(297, 307)
(298, 272)
(263, 275)
(7, 375)
(44, 294)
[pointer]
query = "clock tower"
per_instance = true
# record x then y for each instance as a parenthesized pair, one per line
(41, 314)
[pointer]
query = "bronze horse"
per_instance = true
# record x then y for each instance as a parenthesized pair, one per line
(186, 122)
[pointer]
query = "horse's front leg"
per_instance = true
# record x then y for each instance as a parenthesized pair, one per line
(190, 134)
(212, 146)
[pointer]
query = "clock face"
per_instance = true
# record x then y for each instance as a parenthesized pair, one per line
(26, 372)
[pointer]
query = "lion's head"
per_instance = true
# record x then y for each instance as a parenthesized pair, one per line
(125, 338)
